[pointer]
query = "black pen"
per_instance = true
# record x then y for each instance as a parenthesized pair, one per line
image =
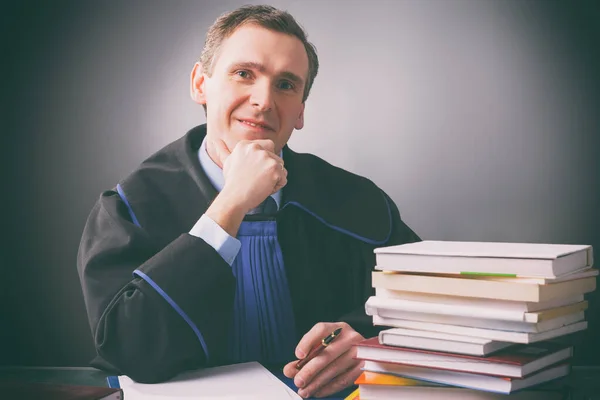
(318, 348)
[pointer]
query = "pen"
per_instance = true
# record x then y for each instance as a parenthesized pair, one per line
(318, 348)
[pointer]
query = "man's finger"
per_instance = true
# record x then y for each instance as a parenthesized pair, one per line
(222, 152)
(290, 369)
(340, 382)
(314, 336)
(281, 182)
(340, 351)
(337, 367)
(266, 144)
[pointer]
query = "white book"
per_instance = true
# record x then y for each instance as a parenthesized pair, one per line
(506, 259)
(468, 380)
(505, 305)
(436, 341)
(481, 288)
(386, 306)
(585, 272)
(490, 324)
(503, 336)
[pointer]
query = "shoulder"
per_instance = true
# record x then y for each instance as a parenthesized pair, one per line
(346, 201)
(166, 166)
(168, 184)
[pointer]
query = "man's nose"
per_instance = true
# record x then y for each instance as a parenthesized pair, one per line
(261, 96)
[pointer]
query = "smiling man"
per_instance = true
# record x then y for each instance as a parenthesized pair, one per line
(226, 246)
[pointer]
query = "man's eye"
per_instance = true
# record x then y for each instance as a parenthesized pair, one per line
(286, 85)
(243, 74)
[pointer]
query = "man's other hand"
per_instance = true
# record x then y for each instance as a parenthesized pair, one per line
(334, 368)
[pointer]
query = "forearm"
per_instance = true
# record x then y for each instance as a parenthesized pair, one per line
(173, 315)
(227, 212)
(141, 337)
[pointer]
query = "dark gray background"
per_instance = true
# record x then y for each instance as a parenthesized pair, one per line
(479, 118)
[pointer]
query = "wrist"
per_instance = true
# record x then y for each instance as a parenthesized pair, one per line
(227, 213)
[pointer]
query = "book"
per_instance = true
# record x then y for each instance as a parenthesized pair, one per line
(585, 272)
(504, 305)
(381, 306)
(516, 362)
(482, 288)
(502, 336)
(437, 341)
(248, 380)
(355, 395)
(513, 326)
(378, 386)
(468, 380)
(376, 378)
(492, 258)
(52, 391)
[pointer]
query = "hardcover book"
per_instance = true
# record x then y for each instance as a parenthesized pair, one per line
(512, 326)
(517, 361)
(492, 304)
(491, 258)
(502, 336)
(436, 341)
(381, 305)
(482, 382)
(482, 288)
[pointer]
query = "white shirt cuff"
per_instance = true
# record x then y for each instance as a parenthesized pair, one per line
(212, 233)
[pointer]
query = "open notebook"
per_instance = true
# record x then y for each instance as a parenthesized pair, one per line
(238, 381)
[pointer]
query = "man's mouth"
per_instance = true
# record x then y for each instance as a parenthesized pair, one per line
(255, 124)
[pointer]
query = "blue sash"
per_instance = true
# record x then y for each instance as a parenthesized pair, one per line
(263, 326)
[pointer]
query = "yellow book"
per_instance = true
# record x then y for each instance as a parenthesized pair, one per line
(375, 378)
(373, 385)
(354, 395)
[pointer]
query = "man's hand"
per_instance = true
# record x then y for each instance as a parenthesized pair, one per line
(334, 368)
(252, 172)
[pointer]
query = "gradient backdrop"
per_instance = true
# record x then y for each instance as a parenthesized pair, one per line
(480, 119)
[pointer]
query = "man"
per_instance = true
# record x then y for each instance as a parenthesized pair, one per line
(227, 246)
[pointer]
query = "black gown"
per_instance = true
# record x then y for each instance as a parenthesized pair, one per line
(328, 224)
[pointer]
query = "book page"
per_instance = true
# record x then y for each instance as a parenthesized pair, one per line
(238, 381)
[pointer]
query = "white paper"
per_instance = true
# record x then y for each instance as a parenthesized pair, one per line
(238, 381)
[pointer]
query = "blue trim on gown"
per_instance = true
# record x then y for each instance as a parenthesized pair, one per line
(263, 327)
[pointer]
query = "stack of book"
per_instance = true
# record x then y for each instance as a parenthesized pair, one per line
(469, 320)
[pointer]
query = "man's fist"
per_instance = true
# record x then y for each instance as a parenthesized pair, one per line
(252, 171)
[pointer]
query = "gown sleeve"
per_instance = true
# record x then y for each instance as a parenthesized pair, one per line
(154, 310)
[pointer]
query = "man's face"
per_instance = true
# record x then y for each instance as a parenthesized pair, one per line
(256, 87)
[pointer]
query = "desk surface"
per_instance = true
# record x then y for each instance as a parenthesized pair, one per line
(584, 382)
(93, 377)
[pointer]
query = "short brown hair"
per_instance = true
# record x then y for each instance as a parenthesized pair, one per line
(266, 16)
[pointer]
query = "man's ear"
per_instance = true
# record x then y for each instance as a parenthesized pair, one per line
(300, 121)
(197, 81)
